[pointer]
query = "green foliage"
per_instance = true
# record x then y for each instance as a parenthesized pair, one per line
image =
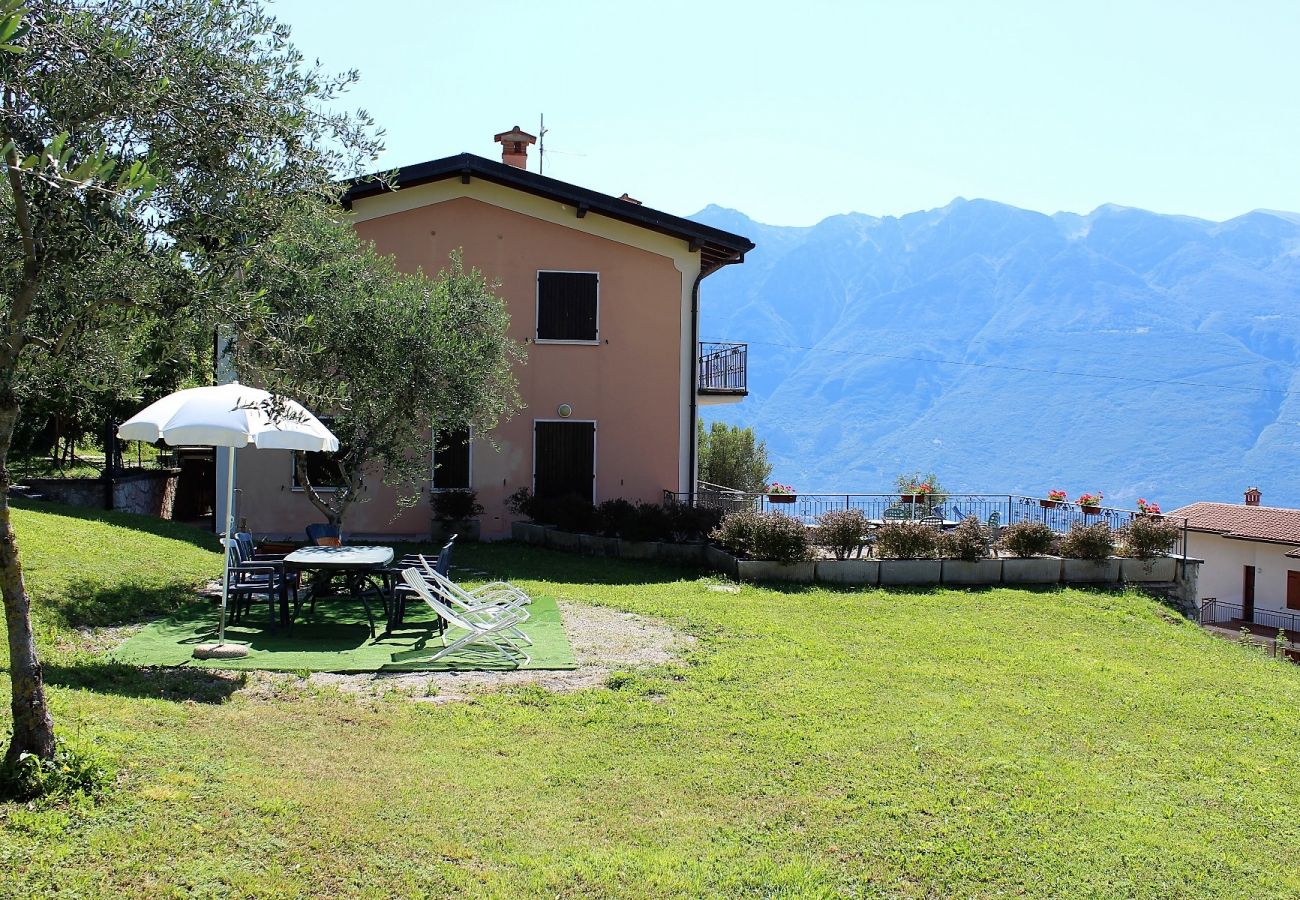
(691, 523)
(730, 456)
(455, 506)
(1095, 542)
(1147, 537)
(651, 522)
(906, 540)
(613, 516)
(969, 541)
(751, 534)
(926, 484)
(1025, 539)
(70, 772)
(387, 353)
(841, 531)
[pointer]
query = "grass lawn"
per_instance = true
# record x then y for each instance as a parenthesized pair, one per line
(867, 743)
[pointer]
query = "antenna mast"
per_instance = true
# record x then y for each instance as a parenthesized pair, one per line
(541, 145)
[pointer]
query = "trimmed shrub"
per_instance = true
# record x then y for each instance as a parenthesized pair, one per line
(612, 516)
(968, 541)
(455, 506)
(1095, 542)
(840, 531)
(523, 503)
(751, 534)
(906, 540)
(649, 522)
(691, 523)
(1026, 539)
(567, 513)
(1147, 537)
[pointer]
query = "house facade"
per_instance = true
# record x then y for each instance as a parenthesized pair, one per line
(1252, 559)
(603, 291)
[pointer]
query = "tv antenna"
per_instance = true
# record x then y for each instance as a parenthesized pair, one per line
(541, 144)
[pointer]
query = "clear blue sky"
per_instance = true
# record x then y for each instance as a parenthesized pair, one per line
(793, 111)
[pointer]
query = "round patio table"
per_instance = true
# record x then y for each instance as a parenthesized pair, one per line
(359, 566)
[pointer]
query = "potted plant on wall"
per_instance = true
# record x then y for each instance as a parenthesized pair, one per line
(781, 493)
(1053, 499)
(455, 512)
(1147, 508)
(1089, 504)
(919, 489)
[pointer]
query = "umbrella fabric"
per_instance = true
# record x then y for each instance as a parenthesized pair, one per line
(228, 415)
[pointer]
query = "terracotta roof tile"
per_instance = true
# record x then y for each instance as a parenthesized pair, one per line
(1252, 523)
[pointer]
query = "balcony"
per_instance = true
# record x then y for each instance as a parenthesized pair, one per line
(721, 373)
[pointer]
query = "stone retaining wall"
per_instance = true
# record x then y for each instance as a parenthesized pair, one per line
(149, 493)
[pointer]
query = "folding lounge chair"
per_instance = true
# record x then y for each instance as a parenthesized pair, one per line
(484, 629)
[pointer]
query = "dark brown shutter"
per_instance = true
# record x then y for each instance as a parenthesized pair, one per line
(566, 306)
(564, 459)
(451, 461)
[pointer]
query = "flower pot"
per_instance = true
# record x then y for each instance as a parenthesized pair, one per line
(911, 571)
(722, 561)
(976, 571)
(1090, 510)
(1090, 571)
(1049, 504)
(768, 570)
(782, 498)
(1031, 570)
(1161, 568)
(529, 532)
(911, 498)
(848, 571)
(598, 545)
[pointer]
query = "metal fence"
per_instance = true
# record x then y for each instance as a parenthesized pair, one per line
(723, 368)
(995, 509)
(1216, 612)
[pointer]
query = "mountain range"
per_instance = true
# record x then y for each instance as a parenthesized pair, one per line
(1125, 351)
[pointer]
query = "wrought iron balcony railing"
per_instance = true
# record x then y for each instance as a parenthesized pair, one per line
(722, 369)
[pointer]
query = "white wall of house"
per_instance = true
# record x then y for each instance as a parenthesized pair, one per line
(1225, 561)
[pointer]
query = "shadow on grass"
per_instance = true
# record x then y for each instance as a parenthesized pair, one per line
(512, 561)
(178, 684)
(90, 604)
(204, 540)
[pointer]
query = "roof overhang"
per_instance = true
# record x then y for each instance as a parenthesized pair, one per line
(716, 247)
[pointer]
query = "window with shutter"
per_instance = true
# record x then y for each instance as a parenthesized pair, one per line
(451, 461)
(567, 306)
(564, 459)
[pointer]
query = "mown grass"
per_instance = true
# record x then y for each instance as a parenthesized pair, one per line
(871, 743)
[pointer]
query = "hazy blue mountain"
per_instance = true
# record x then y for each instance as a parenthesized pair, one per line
(1124, 351)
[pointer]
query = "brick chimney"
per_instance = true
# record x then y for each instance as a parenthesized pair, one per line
(1252, 496)
(514, 147)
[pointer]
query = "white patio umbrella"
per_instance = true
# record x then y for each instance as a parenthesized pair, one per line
(228, 415)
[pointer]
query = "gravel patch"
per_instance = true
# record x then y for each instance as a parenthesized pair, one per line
(604, 641)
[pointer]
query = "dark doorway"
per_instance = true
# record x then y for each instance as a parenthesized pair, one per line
(564, 459)
(196, 487)
(1248, 593)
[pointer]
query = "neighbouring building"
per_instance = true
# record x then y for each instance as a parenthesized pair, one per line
(604, 290)
(1252, 559)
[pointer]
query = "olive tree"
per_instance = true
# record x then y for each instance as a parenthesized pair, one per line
(732, 457)
(176, 134)
(387, 356)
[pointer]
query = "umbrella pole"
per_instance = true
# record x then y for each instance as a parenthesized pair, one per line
(230, 528)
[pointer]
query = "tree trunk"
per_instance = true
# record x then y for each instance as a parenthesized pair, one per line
(33, 726)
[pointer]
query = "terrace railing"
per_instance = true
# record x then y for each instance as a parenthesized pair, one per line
(722, 368)
(1217, 612)
(1002, 509)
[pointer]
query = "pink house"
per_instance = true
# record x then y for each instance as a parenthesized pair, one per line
(604, 291)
